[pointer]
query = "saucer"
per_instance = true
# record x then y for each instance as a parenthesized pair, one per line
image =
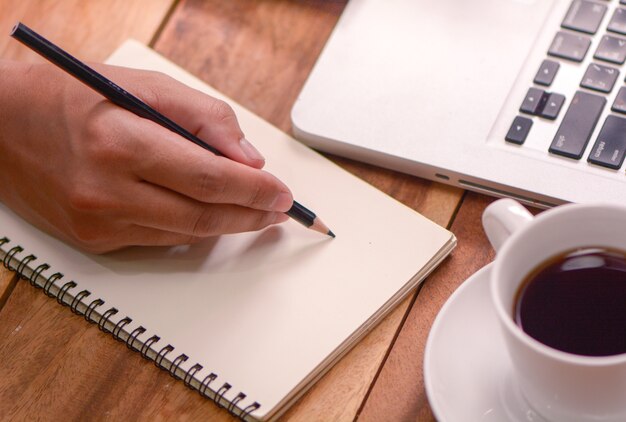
(467, 370)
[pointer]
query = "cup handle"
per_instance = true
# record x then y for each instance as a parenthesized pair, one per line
(503, 217)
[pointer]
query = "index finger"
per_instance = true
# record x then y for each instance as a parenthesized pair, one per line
(209, 118)
(173, 162)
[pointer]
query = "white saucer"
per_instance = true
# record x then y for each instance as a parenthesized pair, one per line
(467, 370)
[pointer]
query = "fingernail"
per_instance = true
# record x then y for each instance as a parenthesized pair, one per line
(283, 202)
(250, 151)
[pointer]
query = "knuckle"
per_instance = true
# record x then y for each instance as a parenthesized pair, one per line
(82, 200)
(212, 185)
(222, 112)
(151, 89)
(103, 141)
(262, 192)
(92, 233)
(86, 206)
(96, 124)
(257, 197)
(205, 223)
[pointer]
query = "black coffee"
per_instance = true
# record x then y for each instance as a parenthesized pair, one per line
(576, 302)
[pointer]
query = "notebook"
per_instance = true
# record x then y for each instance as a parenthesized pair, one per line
(517, 98)
(250, 320)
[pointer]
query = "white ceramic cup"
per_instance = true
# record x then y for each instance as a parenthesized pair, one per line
(558, 385)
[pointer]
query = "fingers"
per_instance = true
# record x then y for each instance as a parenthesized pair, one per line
(186, 216)
(184, 167)
(174, 163)
(169, 190)
(153, 216)
(210, 119)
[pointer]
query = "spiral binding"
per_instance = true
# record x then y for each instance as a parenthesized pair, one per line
(55, 281)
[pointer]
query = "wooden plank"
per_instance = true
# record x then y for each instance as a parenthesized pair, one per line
(40, 373)
(259, 54)
(398, 393)
(90, 30)
(7, 283)
(56, 364)
(433, 200)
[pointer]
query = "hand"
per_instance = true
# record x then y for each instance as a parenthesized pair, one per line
(102, 178)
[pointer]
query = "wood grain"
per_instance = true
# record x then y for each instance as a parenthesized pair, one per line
(58, 365)
(7, 283)
(259, 53)
(90, 30)
(51, 360)
(398, 393)
(256, 52)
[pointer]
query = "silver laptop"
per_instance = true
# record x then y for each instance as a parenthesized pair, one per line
(518, 98)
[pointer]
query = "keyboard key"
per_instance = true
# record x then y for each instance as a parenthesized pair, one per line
(534, 101)
(552, 106)
(519, 130)
(578, 124)
(584, 16)
(600, 78)
(569, 46)
(618, 21)
(611, 49)
(546, 73)
(609, 149)
(619, 105)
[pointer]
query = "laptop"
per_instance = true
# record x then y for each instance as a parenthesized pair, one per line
(517, 98)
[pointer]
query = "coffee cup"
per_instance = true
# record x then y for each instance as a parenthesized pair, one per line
(559, 385)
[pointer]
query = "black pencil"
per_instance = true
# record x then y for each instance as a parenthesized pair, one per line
(126, 100)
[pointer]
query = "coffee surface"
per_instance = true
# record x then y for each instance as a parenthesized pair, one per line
(576, 302)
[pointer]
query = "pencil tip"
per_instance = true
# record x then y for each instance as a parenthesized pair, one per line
(319, 226)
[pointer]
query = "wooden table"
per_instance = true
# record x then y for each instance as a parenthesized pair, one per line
(54, 365)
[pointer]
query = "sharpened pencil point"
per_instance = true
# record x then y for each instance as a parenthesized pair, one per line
(319, 226)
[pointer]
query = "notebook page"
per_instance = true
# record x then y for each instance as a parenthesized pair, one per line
(265, 311)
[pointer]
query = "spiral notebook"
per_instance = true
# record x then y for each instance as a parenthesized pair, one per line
(252, 320)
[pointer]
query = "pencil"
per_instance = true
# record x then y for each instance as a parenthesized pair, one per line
(126, 100)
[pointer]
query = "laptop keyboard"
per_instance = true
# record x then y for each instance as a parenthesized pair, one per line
(581, 24)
